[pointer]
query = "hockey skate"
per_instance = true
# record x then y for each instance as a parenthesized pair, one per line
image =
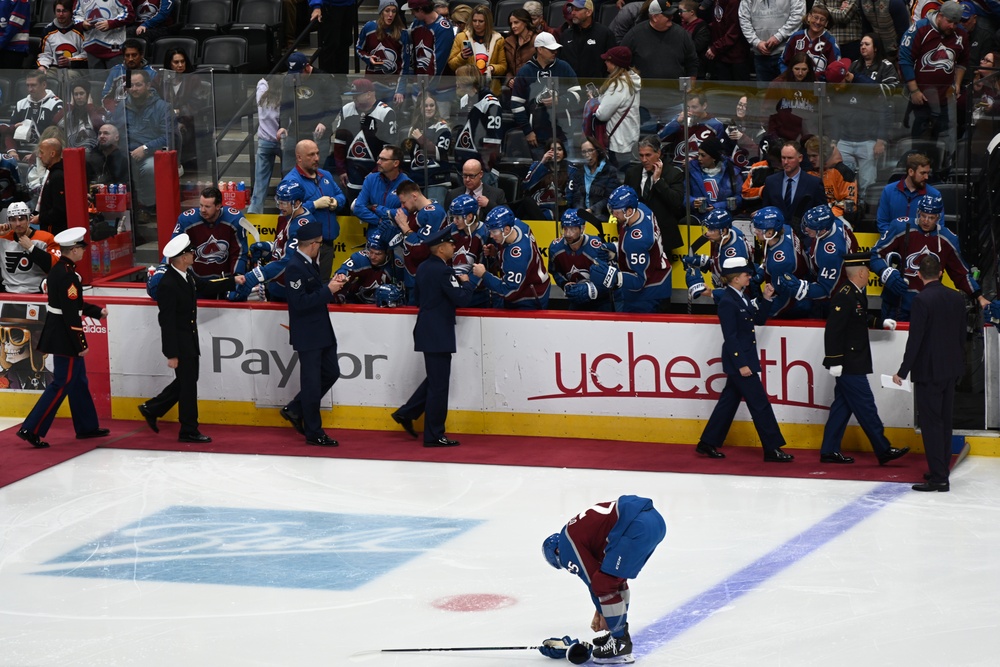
(609, 650)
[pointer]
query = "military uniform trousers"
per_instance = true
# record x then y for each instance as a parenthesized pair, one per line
(853, 395)
(431, 397)
(318, 371)
(69, 380)
(752, 391)
(182, 392)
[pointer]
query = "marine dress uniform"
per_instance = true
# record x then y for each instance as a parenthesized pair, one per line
(739, 318)
(438, 293)
(849, 358)
(63, 337)
(178, 317)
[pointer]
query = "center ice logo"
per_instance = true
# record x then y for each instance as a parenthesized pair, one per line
(258, 547)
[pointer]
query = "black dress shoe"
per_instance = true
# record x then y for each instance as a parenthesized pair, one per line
(927, 475)
(28, 436)
(943, 487)
(709, 451)
(296, 422)
(322, 441)
(97, 433)
(197, 438)
(441, 442)
(405, 422)
(892, 455)
(836, 457)
(778, 456)
(150, 418)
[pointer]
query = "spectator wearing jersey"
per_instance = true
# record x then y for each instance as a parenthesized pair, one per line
(62, 44)
(431, 36)
(15, 19)
(384, 47)
(480, 136)
(427, 145)
(814, 40)
(154, 18)
(361, 130)
(547, 183)
(103, 23)
(32, 115)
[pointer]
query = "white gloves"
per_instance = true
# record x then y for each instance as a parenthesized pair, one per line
(836, 371)
(889, 324)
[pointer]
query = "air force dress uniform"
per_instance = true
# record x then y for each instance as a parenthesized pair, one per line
(63, 337)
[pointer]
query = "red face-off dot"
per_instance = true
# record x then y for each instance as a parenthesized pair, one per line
(474, 602)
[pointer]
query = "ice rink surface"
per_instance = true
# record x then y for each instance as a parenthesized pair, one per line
(183, 559)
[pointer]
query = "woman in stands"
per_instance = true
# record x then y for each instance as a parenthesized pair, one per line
(619, 106)
(789, 101)
(873, 66)
(519, 47)
(183, 91)
(384, 46)
(268, 141)
(594, 181)
(80, 118)
(547, 182)
(482, 47)
(426, 147)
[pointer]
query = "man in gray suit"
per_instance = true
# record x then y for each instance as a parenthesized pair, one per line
(485, 195)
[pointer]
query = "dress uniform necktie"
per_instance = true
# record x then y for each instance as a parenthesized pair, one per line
(647, 184)
(788, 194)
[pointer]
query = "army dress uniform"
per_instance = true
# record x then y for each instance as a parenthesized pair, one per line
(63, 337)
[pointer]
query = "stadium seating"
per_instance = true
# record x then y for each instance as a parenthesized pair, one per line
(207, 18)
(225, 53)
(260, 23)
(161, 46)
(502, 12)
(46, 11)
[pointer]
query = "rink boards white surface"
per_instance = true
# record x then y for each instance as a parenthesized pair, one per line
(742, 577)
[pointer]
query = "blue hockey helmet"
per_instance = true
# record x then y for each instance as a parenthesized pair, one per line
(500, 217)
(718, 219)
(571, 218)
(389, 296)
(550, 547)
(290, 191)
(768, 219)
(818, 218)
(463, 205)
(623, 198)
(930, 204)
(377, 240)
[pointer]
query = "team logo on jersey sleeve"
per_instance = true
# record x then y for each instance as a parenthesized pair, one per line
(779, 255)
(829, 247)
(515, 251)
(730, 252)
(595, 243)
(636, 234)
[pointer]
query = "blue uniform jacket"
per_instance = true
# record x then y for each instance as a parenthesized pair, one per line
(438, 294)
(739, 319)
(309, 326)
(377, 200)
(323, 185)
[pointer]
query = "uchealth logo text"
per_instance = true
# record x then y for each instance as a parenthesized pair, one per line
(253, 361)
(579, 375)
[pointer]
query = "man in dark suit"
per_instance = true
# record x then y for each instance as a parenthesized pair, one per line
(178, 317)
(62, 336)
(439, 292)
(849, 360)
(934, 353)
(311, 334)
(661, 188)
(50, 210)
(793, 191)
(487, 196)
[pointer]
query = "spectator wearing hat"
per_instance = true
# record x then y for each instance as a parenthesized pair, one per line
(767, 25)
(981, 39)
(619, 104)
(535, 93)
(482, 47)
(931, 81)
(700, 34)
(848, 357)
(384, 46)
(438, 292)
(584, 41)
(306, 100)
(728, 52)
(714, 181)
(336, 17)
(311, 334)
(177, 302)
(739, 316)
(660, 48)
(63, 337)
(363, 127)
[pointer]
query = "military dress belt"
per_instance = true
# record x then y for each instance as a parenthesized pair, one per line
(54, 310)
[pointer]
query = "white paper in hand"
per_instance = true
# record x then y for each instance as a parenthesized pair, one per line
(887, 383)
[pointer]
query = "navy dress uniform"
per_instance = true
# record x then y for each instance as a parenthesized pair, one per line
(311, 334)
(63, 337)
(849, 359)
(739, 318)
(438, 293)
(178, 318)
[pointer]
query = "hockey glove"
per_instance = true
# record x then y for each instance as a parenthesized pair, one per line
(791, 287)
(695, 283)
(581, 292)
(610, 250)
(606, 275)
(696, 261)
(893, 282)
(759, 278)
(260, 251)
(992, 312)
(574, 650)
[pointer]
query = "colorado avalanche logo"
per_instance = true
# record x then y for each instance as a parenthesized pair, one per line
(913, 261)
(145, 10)
(425, 58)
(636, 234)
(940, 59)
(730, 252)
(388, 57)
(830, 247)
(515, 251)
(595, 243)
(213, 251)
(779, 256)
(418, 158)
(465, 140)
(358, 150)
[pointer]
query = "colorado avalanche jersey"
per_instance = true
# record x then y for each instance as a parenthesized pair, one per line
(672, 135)
(393, 54)
(423, 223)
(358, 139)
(572, 266)
(221, 247)
(363, 277)
(786, 257)
(427, 159)
(469, 247)
(826, 259)
(482, 132)
(716, 186)
(929, 57)
(431, 47)
(644, 266)
(523, 281)
(822, 51)
(734, 244)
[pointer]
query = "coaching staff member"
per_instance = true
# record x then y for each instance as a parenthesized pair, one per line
(438, 293)
(62, 336)
(934, 354)
(849, 359)
(311, 334)
(179, 335)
